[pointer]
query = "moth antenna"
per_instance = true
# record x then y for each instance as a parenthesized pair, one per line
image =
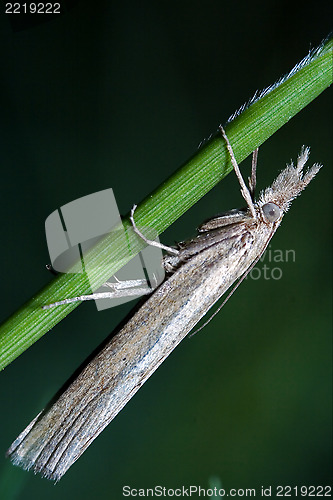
(253, 178)
(244, 190)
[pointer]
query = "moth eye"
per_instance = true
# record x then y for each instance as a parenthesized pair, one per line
(271, 212)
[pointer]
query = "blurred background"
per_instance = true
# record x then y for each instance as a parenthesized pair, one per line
(111, 94)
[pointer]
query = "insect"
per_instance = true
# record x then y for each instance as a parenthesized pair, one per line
(199, 271)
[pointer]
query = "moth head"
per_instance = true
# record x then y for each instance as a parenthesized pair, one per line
(290, 183)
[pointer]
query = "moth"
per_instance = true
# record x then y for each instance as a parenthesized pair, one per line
(199, 272)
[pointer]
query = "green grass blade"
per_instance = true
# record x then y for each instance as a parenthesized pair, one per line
(168, 202)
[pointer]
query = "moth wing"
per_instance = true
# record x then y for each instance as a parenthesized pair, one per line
(234, 216)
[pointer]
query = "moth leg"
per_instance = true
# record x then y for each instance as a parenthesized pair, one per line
(115, 294)
(244, 190)
(152, 243)
(118, 289)
(123, 285)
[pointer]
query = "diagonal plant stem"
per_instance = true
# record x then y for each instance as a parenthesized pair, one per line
(247, 131)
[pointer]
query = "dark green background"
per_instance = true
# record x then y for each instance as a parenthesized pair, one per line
(110, 95)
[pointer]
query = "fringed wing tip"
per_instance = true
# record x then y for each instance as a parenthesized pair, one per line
(23, 461)
(29, 465)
